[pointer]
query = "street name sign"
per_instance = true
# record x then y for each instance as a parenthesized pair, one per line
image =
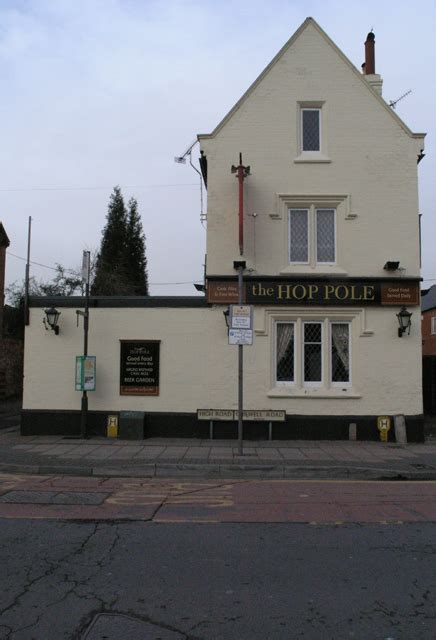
(252, 415)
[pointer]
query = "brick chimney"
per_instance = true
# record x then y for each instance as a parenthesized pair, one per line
(368, 67)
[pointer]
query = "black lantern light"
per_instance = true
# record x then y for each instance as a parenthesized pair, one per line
(226, 315)
(404, 320)
(51, 319)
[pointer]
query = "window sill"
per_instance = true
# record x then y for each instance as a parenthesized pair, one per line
(319, 269)
(312, 157)
(312, 392)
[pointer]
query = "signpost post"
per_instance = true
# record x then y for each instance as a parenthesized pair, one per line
(85, 276)
(241, 172)
(240, 333)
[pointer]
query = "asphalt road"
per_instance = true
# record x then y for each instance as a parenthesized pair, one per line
(174, 578)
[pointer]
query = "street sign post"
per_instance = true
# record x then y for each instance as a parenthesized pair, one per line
(240, 336)
(241, 324)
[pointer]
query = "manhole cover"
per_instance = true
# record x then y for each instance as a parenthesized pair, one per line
(113, 626)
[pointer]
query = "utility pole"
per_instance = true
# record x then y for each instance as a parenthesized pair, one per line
(240, 266)
(241, 173)
(85, 274)
(27, 276)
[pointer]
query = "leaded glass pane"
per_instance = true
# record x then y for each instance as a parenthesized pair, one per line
(312, 352)
(310, 126)
(325, 235)
(285, 352)
(340, 353)
(298, 235)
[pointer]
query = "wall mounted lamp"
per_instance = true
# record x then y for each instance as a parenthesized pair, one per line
(392, 265)
(404, 320)
(51, 319)
(226, 315)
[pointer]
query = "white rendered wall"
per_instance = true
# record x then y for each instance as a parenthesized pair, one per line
(369, 157)
(198, 369)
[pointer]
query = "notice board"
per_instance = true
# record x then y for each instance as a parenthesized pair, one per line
(139, 367)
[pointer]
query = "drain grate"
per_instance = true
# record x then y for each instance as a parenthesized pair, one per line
(113, 626)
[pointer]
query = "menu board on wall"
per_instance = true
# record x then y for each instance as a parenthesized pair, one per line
(139, 367)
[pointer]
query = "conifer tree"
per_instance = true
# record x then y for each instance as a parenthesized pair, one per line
(121, 266)
(110, 268)
(136, 261)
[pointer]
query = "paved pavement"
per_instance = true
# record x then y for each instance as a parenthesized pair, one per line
(166, 457)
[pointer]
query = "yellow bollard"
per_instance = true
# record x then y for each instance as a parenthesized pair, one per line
(383, 425)
(112, 426)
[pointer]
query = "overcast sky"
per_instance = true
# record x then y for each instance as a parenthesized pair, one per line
(97, 93)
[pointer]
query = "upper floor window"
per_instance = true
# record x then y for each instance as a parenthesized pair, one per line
(310, 129)
(312, 132)
(325, 235)
(433, 325)
(312, 235)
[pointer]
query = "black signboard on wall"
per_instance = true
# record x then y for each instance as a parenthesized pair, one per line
(294, 291)
(139, 367)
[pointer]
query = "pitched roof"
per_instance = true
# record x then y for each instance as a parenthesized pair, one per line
(428, 300)
(283, 50)
(4, 240)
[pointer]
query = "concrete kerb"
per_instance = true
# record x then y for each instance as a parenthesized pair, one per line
(228, 471)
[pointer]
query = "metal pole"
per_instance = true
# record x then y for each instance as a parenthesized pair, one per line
(240, 372)
(27, 277)
(84, 404)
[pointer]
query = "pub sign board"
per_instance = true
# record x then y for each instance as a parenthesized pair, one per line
(139, 367)
(319, 292)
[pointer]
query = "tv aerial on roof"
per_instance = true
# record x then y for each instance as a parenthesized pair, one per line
(393, 103)
(182, 159)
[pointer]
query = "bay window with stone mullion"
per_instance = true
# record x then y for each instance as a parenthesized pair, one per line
(313, 353)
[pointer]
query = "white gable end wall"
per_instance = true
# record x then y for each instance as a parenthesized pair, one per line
(367, 155)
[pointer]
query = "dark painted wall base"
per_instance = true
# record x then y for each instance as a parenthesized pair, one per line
(186, 425)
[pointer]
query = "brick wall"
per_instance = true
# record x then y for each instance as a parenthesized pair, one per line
(11, 367)
(428, 339)
(2, 285)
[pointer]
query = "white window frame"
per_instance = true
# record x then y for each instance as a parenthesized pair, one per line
(302, 149)
(312, 249)
(309, 233)
(312, 383)
(433, 325)
(286, 383)
(347, 383)
(299, 384)
(335, 240)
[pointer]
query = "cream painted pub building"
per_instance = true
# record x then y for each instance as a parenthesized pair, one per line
(312, 193)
